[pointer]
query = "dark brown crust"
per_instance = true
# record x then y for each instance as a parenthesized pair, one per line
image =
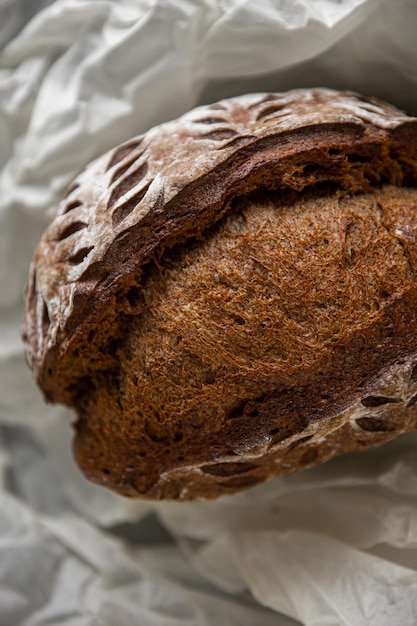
(169, 186)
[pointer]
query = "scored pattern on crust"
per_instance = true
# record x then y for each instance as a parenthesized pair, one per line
(134, 182)
(389, 411)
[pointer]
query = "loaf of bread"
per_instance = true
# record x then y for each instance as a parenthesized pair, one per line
(233, 295)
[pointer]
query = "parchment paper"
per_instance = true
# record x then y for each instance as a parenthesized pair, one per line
(332, 546)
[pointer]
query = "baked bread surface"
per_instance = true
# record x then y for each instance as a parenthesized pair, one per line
(232, 295)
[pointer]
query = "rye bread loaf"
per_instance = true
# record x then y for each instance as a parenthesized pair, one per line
(232, 295)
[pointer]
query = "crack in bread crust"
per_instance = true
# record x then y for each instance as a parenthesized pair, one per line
(250, 364)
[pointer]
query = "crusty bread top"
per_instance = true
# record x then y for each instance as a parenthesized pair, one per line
(168, 185)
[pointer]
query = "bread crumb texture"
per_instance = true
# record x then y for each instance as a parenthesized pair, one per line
(253, 316)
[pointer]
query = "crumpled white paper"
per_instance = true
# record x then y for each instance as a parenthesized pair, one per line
(333, 546)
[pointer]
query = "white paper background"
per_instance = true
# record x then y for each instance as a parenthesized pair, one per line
(335, 546)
